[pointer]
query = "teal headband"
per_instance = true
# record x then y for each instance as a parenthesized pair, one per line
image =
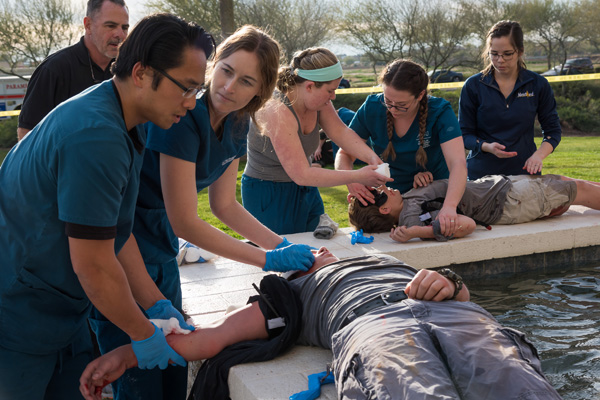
(322, 74)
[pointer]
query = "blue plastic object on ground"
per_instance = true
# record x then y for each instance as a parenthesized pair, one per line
(358, 237)
(314, 386)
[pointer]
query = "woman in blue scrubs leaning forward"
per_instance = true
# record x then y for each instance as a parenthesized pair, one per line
(203, 150)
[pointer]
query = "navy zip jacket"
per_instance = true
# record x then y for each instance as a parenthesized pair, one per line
(485, 115)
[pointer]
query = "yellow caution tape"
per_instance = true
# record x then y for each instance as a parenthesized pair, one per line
(377, 89)
(456, 85)
(565, 78)
(12, 113)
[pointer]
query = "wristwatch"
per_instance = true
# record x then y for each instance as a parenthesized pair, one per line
(454, 277)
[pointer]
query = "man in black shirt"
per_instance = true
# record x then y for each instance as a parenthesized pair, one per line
(71, 70)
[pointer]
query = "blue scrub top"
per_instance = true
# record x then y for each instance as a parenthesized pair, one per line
(78, 165)
(370, 122)
(194, 140)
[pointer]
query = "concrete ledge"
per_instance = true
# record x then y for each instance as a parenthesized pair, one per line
(543, 245)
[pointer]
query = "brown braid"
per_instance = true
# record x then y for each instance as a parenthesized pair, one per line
(421, 156)
(389, 150)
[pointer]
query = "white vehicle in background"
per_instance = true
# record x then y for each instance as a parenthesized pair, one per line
(12, 92)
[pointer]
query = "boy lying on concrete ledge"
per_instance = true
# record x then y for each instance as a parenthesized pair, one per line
(394, 332)
(493, 199)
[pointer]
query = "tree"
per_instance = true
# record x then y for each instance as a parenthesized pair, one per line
(227, 17)
(206, 13)
(379, 28)
(30, 31)
(439, 34)
(296, 24)
(590, 11)
(558, 27)
(478, 17)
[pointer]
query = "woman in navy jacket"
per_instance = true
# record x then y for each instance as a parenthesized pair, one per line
(498, 106)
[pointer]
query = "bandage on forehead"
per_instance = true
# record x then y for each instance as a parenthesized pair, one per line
(322, 74)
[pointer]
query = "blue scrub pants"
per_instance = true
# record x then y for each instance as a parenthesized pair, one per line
(283, 207)
(52, 376)
(143, 384)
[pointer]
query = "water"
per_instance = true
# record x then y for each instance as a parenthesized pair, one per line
(560, 313)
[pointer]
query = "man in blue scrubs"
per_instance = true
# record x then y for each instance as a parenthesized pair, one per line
(67, 200)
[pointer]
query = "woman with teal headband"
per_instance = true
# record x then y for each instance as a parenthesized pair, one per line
(279, 186)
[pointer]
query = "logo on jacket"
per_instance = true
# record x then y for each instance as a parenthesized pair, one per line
(230, 159)
(526, 94)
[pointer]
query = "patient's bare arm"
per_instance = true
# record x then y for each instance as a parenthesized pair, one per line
(246, 323)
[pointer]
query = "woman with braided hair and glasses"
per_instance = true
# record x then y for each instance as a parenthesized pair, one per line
(416, 134)
(279, 186)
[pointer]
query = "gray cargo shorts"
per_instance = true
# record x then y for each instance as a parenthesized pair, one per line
(436, 350)
(533, 196)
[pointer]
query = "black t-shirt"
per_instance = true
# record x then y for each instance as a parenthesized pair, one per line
(59, 77)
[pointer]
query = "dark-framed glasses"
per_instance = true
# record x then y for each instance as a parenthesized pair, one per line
(506, 56)
(379, 197)
(391, 106)
(188, 92)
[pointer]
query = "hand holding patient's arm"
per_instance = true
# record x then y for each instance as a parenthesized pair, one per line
(246, 323)
(431, 286)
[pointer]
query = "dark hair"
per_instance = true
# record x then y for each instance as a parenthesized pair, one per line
(266, 49)
(311, 58)
(369, 218)
(158, 41)
(407, 76)
(93, 6)
(513, 30)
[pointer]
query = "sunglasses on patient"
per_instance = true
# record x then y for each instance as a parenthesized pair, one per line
(379, 197)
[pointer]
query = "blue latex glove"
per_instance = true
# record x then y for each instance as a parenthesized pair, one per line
(358, 237)
(289, 257)
(283, 244)
(314, 386)
(155, 352)
(163, 309)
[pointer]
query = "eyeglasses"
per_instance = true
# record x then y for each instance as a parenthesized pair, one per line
(390, 106)
(379, 197)
(188, 92)
(506, 56)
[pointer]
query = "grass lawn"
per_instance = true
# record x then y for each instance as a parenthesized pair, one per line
(577, 157)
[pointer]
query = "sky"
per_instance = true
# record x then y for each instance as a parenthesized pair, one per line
(137, 10)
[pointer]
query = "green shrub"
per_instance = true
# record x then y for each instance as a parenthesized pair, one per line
(8, 132)
(350, 101)
(451, 95)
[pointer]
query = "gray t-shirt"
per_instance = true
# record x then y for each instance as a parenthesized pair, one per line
(263, 162)
(483, 200)
(331, 293)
